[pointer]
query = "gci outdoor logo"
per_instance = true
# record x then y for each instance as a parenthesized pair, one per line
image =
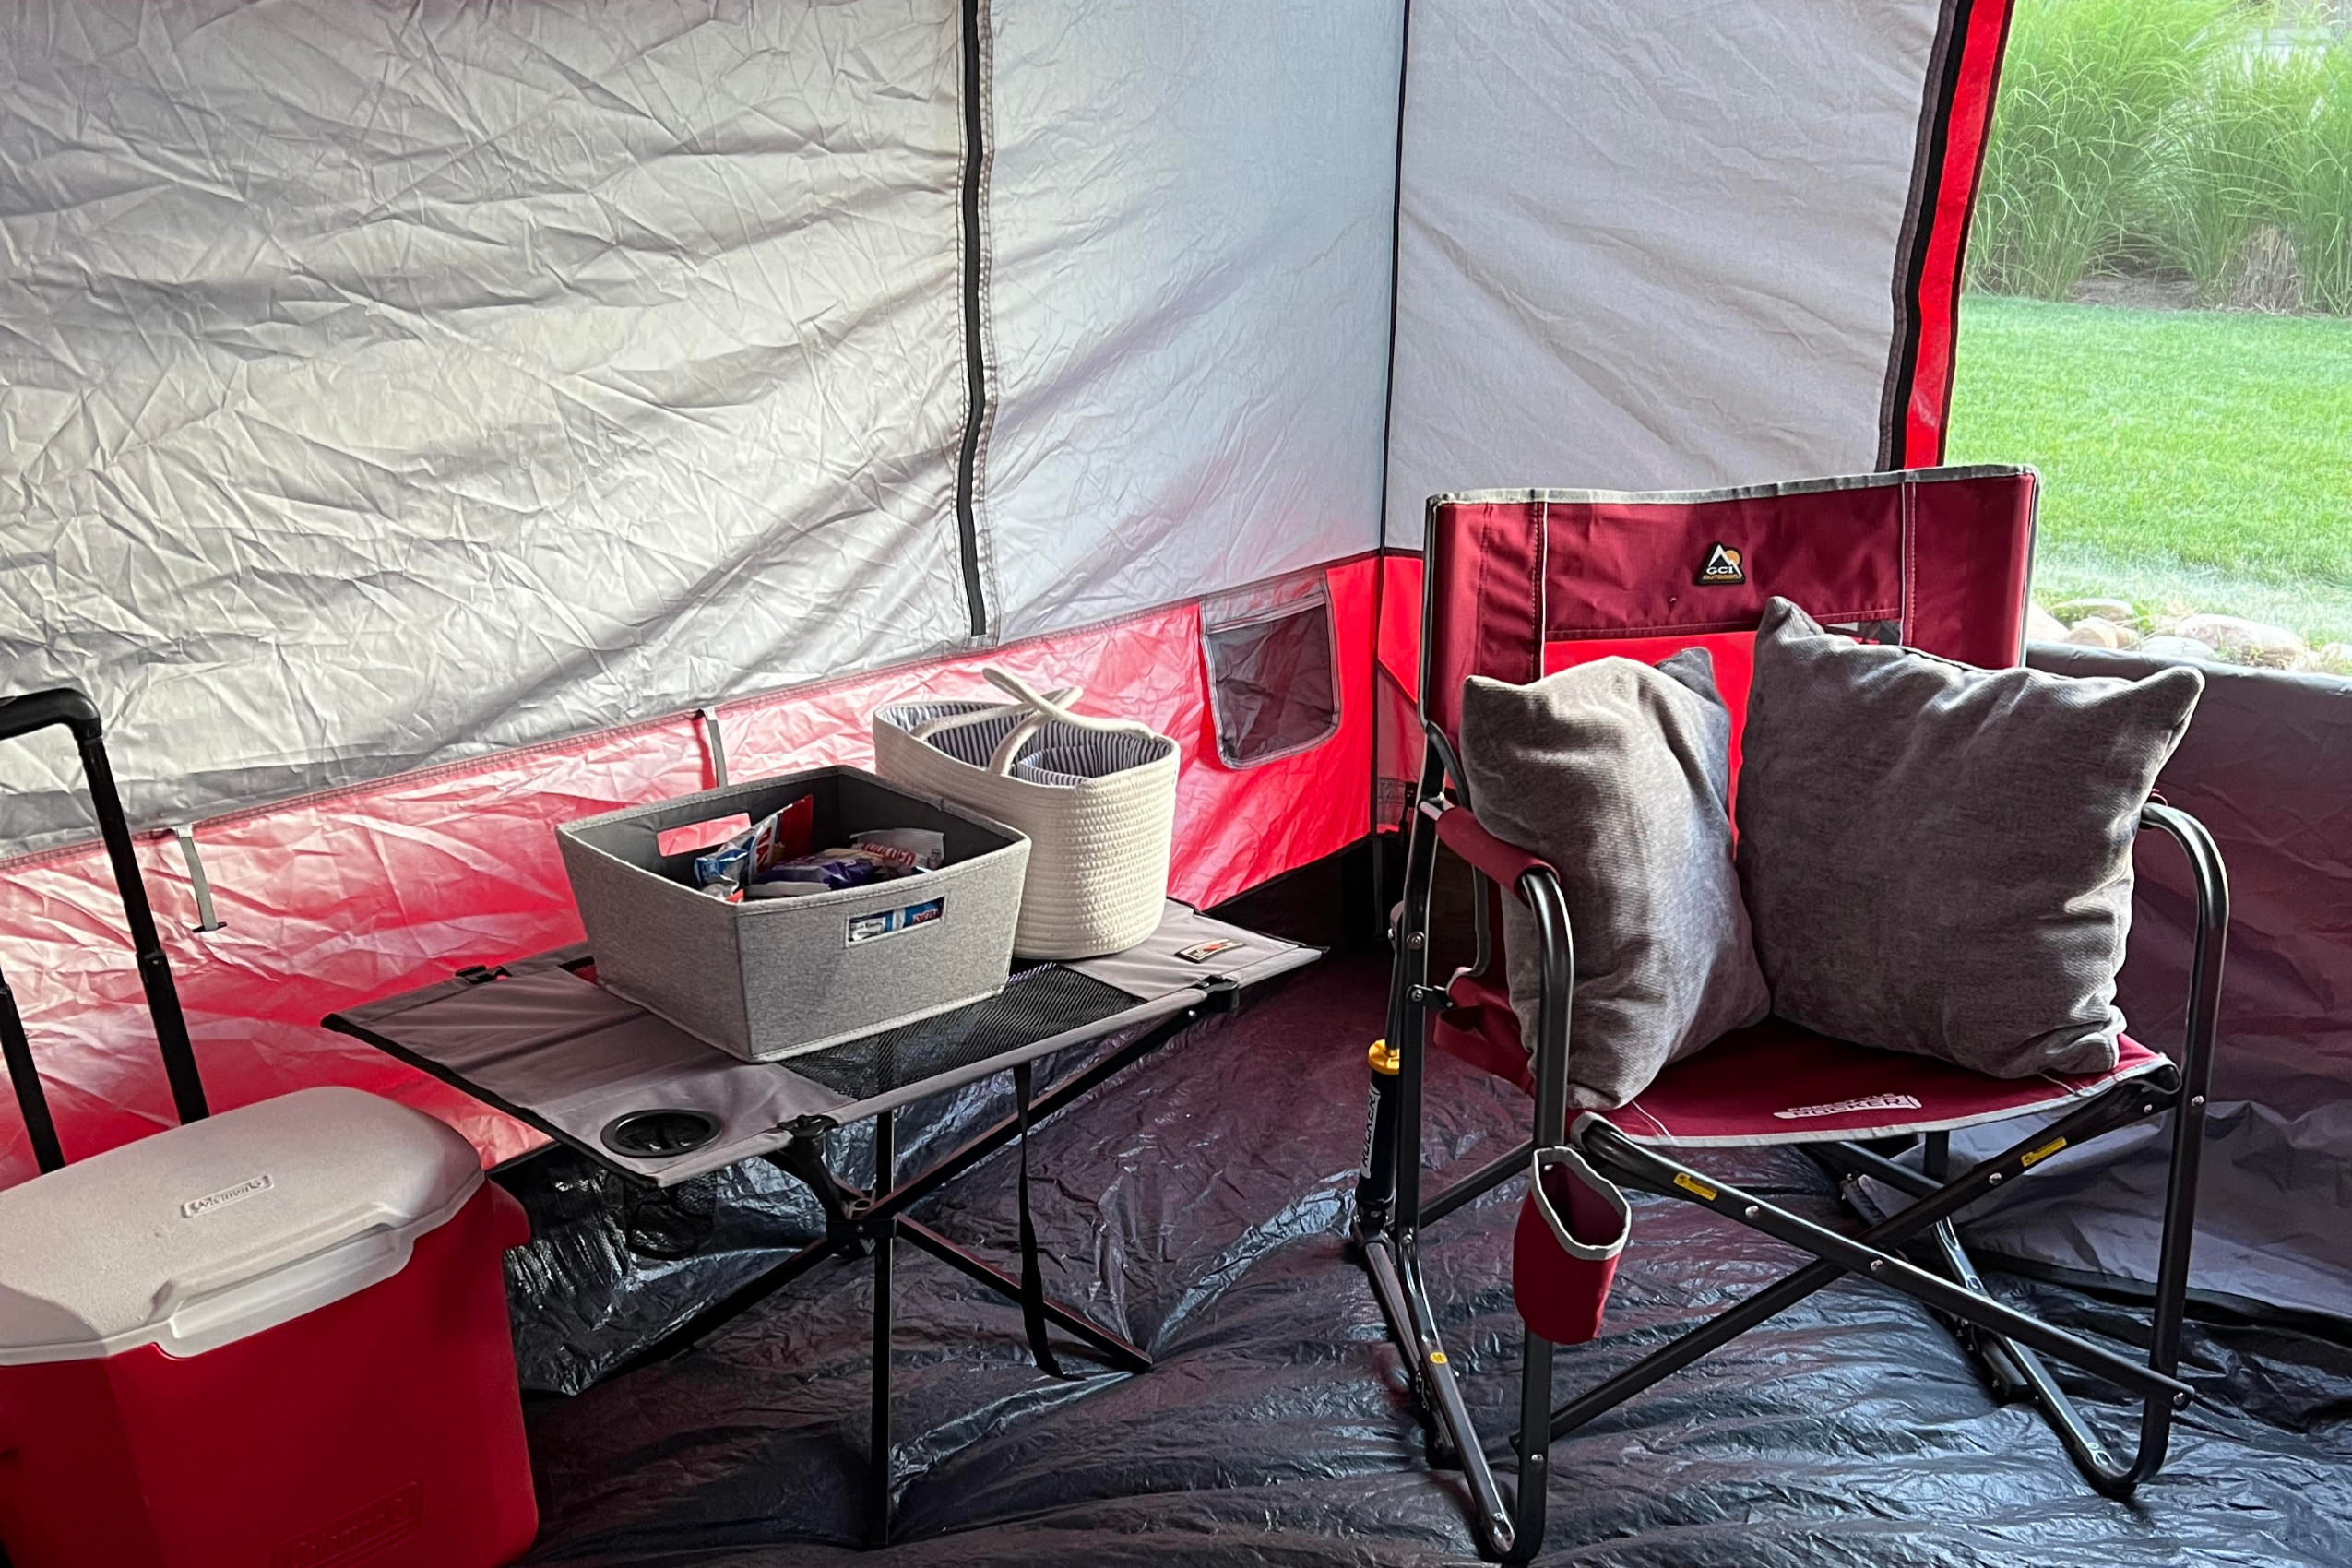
(1722, 567)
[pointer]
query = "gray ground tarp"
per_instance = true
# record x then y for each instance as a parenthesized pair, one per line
(1198, 1204)
(2263, 767)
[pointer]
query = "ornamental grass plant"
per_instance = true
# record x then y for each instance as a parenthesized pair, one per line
(2205, 140)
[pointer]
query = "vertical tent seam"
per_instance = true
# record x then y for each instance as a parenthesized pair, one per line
(1395, 271)
(1388, 418)
(978, 409)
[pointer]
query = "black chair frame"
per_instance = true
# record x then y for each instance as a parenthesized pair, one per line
(1915, 1250)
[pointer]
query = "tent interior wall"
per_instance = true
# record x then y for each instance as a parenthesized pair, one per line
(424, 425)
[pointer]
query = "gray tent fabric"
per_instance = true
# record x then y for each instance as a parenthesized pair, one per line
(1189, 276)
(2263, 766)
(388, 386)
(1649, 245)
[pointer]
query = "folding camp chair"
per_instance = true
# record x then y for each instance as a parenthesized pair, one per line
(1524, 582)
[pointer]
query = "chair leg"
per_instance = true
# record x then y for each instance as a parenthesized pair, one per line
(1396, 1283)
(1527, 1499)
(1839, 1256)
(2167, 1314)
(1390, 1212)
(1994, 1355)
(2211, 885)
(2016, 1369)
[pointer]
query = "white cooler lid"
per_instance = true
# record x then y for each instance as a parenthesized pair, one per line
(207, 1233)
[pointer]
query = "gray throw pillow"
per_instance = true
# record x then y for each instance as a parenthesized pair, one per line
(1616, 773)
(1938, 858)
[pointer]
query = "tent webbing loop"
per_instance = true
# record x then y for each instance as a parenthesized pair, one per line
(714, 742)
(199, 885)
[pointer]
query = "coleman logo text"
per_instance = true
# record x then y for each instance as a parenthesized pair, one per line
(196, 1209)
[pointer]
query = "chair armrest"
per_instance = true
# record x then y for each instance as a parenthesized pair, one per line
(1535, 883)
(2210, 885)
(1505, 864)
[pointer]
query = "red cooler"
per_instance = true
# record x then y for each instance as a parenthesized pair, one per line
(273, 1338)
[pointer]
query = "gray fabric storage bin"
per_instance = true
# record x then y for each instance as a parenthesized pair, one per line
(775, 977)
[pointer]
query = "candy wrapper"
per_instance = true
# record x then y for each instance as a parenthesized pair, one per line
(882, 855)
(728, 870)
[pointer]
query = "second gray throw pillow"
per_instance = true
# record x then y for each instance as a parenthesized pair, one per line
(1939, 857)
(1616, 773)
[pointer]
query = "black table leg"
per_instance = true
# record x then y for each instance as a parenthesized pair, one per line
(879, 1459)
(1109, 1346)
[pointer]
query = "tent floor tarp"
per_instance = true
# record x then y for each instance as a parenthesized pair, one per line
(1201, 1212)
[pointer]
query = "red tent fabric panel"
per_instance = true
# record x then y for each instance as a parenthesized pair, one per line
(350, 895)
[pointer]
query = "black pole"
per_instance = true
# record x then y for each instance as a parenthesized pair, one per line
(32, 1103)
(155, 970)
(22, 716)
(879, 1471)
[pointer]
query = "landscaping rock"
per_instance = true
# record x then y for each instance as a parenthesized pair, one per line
(2177, 648)
(2114, 610)
(2041, 626)
(2137, 293)
(2246, 642)
(2094, 631)
(2328, 659)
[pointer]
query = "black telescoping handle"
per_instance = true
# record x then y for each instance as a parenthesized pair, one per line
(39, 710)
(22, 716)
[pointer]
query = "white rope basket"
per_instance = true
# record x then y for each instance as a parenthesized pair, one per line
(1097, 798)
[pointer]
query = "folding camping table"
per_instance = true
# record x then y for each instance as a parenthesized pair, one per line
(537, 1040)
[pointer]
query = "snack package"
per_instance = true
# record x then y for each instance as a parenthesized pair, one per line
(830, 870)
(782, 836)
(917, 848)
(881, 855)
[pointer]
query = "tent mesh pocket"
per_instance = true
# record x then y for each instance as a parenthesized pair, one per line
(1035, 1006)
(1273, 669)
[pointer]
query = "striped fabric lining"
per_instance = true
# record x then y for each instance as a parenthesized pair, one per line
(1058, 754)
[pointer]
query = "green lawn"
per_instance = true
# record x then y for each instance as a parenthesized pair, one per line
(2190, 460)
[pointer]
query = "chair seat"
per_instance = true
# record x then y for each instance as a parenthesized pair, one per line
(1780, 1084)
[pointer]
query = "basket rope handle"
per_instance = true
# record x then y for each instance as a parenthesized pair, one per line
(1039, 708)
(1047, 708)
(982, 715)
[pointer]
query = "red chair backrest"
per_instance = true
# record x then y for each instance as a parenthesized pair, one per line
(1520, 583)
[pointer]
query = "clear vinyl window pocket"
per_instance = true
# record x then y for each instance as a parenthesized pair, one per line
(1273, 669)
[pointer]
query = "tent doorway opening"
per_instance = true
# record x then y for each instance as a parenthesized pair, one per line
(2160, 320)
